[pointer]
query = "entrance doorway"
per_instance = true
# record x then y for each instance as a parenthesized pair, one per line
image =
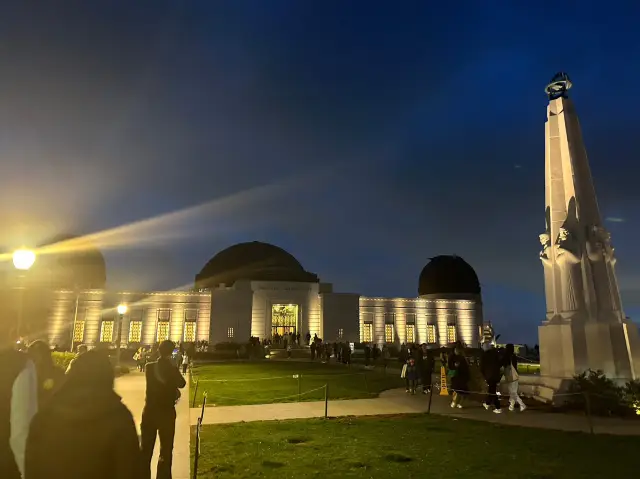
(284, 319)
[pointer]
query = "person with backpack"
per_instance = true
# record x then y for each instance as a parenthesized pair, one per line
(491, 368)
(164, 382)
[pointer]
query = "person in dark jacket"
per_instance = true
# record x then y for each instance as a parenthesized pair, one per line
(164, 382)
(491, 368)
(84, 431)
(50, 376)
(428, 364)
(411, 375)
(460, 375)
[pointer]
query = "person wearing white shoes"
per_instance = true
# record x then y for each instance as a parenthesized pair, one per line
(511, 376)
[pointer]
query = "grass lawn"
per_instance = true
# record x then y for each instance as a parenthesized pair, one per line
(417, 446)
(234, 383)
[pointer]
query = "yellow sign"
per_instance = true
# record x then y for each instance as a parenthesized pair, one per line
(443, 382)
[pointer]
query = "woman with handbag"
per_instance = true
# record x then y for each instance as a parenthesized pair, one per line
(511, 378)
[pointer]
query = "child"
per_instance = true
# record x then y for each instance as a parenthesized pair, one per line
(411, 375)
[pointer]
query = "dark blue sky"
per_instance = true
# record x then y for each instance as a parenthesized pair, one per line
(363, 137)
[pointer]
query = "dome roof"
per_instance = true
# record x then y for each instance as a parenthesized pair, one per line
(73, 261)
(448, 275)
(255, 261)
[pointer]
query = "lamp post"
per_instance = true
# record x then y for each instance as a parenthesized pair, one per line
(23, 260)
(122, 310)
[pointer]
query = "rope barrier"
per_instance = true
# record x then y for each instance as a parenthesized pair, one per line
(291, 376)
(274, 399)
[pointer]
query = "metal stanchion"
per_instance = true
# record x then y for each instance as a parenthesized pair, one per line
(299, 386)
(195, 391)
(366, 382)
(198, 428)
(587, 400)
(430, 396)
(326, 400)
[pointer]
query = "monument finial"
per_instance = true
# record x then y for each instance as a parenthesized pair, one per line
(558, 86)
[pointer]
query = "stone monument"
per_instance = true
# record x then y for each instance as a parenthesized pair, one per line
(585, 326)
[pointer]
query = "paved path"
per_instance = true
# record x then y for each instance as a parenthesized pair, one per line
(396, 401)
(132, 389)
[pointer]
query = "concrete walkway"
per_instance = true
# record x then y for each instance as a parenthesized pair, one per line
(132, 389)
(396, 401)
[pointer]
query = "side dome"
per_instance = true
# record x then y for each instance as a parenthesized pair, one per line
(448, 275)
(72, 262)
(253, 261)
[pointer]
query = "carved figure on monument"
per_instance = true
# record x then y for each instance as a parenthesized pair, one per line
(568, 257)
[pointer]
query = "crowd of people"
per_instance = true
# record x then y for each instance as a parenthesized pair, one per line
(73, 424)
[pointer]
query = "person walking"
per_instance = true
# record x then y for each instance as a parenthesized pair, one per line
(510, 364)
(84, 431)
(459, 373)
(164, 382)
(185, 363)
(428, 365)
(18, 405)
(491, 368)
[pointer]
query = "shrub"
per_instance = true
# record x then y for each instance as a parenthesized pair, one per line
(62, 359)
(228, 346)
(631, 394)
(605, 397)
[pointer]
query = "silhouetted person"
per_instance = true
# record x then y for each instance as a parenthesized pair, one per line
(428, 364)
(84, 431)
(490, 365)
(50, 376)
(159, 415)
(18, 405)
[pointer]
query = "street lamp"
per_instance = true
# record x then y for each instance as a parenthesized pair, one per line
(23, 259)
(122, 310)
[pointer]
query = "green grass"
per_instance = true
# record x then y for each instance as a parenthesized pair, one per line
(234, 383)
(417, 446)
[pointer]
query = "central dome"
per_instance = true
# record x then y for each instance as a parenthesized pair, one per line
(448, 275)
(253, 261)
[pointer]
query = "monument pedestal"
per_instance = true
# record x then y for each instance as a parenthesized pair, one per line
(570, 347)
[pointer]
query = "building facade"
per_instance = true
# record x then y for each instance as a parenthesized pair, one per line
(259, 290)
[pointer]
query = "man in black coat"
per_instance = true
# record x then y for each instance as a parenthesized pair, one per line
(490, 365)
(159, 414)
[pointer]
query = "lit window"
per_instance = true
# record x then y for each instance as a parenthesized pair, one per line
(431, 333)
(230, 333)
(190, 332)
(411, 333)
(451, 334)
(135, 331)
(367, 333)
(340, 333)
(78, 332)
(388, 333)
(106, 332)
(163, 331)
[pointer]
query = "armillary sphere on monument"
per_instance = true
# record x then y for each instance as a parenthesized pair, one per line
(558, 86)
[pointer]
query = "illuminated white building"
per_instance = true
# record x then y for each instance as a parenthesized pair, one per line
(257, 289)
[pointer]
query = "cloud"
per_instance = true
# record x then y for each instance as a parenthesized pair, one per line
(614, 219)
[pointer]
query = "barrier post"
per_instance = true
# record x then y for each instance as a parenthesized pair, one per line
(587, 401)
(198, 428)
(366, 383)
(326, 400)
(195, 391)
(299, 386)
(430, 396)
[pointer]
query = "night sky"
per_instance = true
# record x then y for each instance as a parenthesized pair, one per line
(363, 137)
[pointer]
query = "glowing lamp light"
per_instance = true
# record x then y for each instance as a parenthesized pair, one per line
(122, 309)
(23, 259)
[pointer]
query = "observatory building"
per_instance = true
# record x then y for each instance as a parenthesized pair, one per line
(260, 290)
